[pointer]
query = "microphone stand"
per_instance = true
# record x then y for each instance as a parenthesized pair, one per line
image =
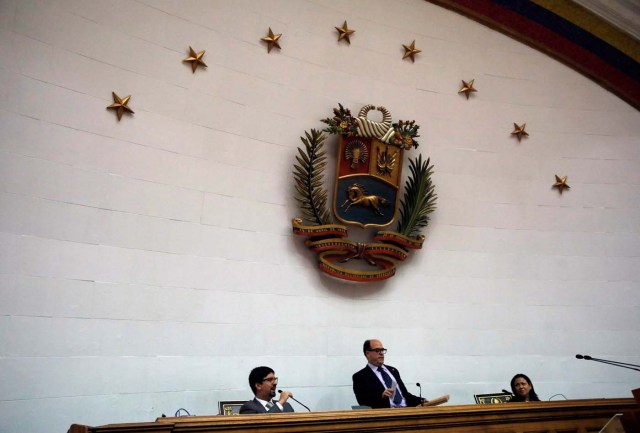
(609, 362)
(588, 358)
(291, 397)
(298, 401)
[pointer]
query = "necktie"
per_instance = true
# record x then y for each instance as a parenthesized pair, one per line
(269, 405)
(397, 398)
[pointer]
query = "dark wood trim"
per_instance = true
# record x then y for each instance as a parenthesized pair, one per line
(566, 416)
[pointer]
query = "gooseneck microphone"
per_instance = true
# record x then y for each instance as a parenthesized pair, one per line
(291, 397)
(418, 385)
(635, 367)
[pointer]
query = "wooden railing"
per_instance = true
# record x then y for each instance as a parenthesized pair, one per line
(579, 416)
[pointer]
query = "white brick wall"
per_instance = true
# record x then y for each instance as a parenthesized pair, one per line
(148, 264)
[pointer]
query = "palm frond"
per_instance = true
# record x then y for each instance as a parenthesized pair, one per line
(308, 175)
(419, 198)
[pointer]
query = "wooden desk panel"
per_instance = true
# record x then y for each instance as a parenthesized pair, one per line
(573, 416)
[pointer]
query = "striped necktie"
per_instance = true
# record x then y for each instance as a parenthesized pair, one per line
(397, 398)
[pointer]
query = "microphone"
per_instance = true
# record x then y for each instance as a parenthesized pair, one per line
(606, 361)
(291, 397)
(180, 410)
(418, 385)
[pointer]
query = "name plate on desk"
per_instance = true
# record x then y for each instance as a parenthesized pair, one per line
(496, 397)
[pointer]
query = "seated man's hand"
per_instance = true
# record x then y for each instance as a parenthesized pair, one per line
(284, 396)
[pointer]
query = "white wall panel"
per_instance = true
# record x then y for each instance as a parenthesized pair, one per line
(218, 210)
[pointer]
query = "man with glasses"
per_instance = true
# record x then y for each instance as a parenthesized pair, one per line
(378, 385)
(263, 383)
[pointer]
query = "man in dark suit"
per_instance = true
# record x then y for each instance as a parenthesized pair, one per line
(264, 382)
(378, 385)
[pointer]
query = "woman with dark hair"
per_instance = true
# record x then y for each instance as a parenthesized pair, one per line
(522, 389)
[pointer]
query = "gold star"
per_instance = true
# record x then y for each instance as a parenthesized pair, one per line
(120, 105)
(561, 183)
(519, 131)
(272, 40)
(195, 59)
(467, 88)
(344, 33)
(411, 51)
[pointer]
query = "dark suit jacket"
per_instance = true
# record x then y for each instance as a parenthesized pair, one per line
(368, 389)
(254, 406)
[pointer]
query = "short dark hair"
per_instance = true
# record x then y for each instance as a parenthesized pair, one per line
(532, 394)
(257, 375)
(366, 347)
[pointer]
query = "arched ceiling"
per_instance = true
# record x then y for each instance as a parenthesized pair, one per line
(624, 14)
(597, 38)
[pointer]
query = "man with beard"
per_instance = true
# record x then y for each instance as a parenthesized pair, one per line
(378, 385)
(263, 383)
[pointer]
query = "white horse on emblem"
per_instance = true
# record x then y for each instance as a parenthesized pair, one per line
(357, 196)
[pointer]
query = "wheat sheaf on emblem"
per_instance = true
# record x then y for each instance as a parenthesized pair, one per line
(358, 137)
(357, 153)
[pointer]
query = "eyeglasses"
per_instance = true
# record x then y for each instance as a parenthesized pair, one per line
(270, 379)
(378, 351)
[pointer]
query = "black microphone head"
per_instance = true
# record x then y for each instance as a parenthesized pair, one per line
(279, 391)
(418, 384)
(587, 357)
(579, 356)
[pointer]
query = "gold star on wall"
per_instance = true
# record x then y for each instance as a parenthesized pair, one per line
(272, 40)
(120, 105)
(467, 88)
(519, 131)
(411, 51)
(195, 59)
(561, 183)
(344, 33)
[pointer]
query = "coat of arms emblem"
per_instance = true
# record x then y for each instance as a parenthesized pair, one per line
(366, 194)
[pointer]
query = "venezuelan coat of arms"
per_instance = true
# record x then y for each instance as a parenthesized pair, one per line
(367, 193)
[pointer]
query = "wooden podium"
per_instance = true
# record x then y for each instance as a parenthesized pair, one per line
(571, 416)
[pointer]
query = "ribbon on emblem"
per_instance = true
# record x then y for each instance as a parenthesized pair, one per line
(334, 249)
